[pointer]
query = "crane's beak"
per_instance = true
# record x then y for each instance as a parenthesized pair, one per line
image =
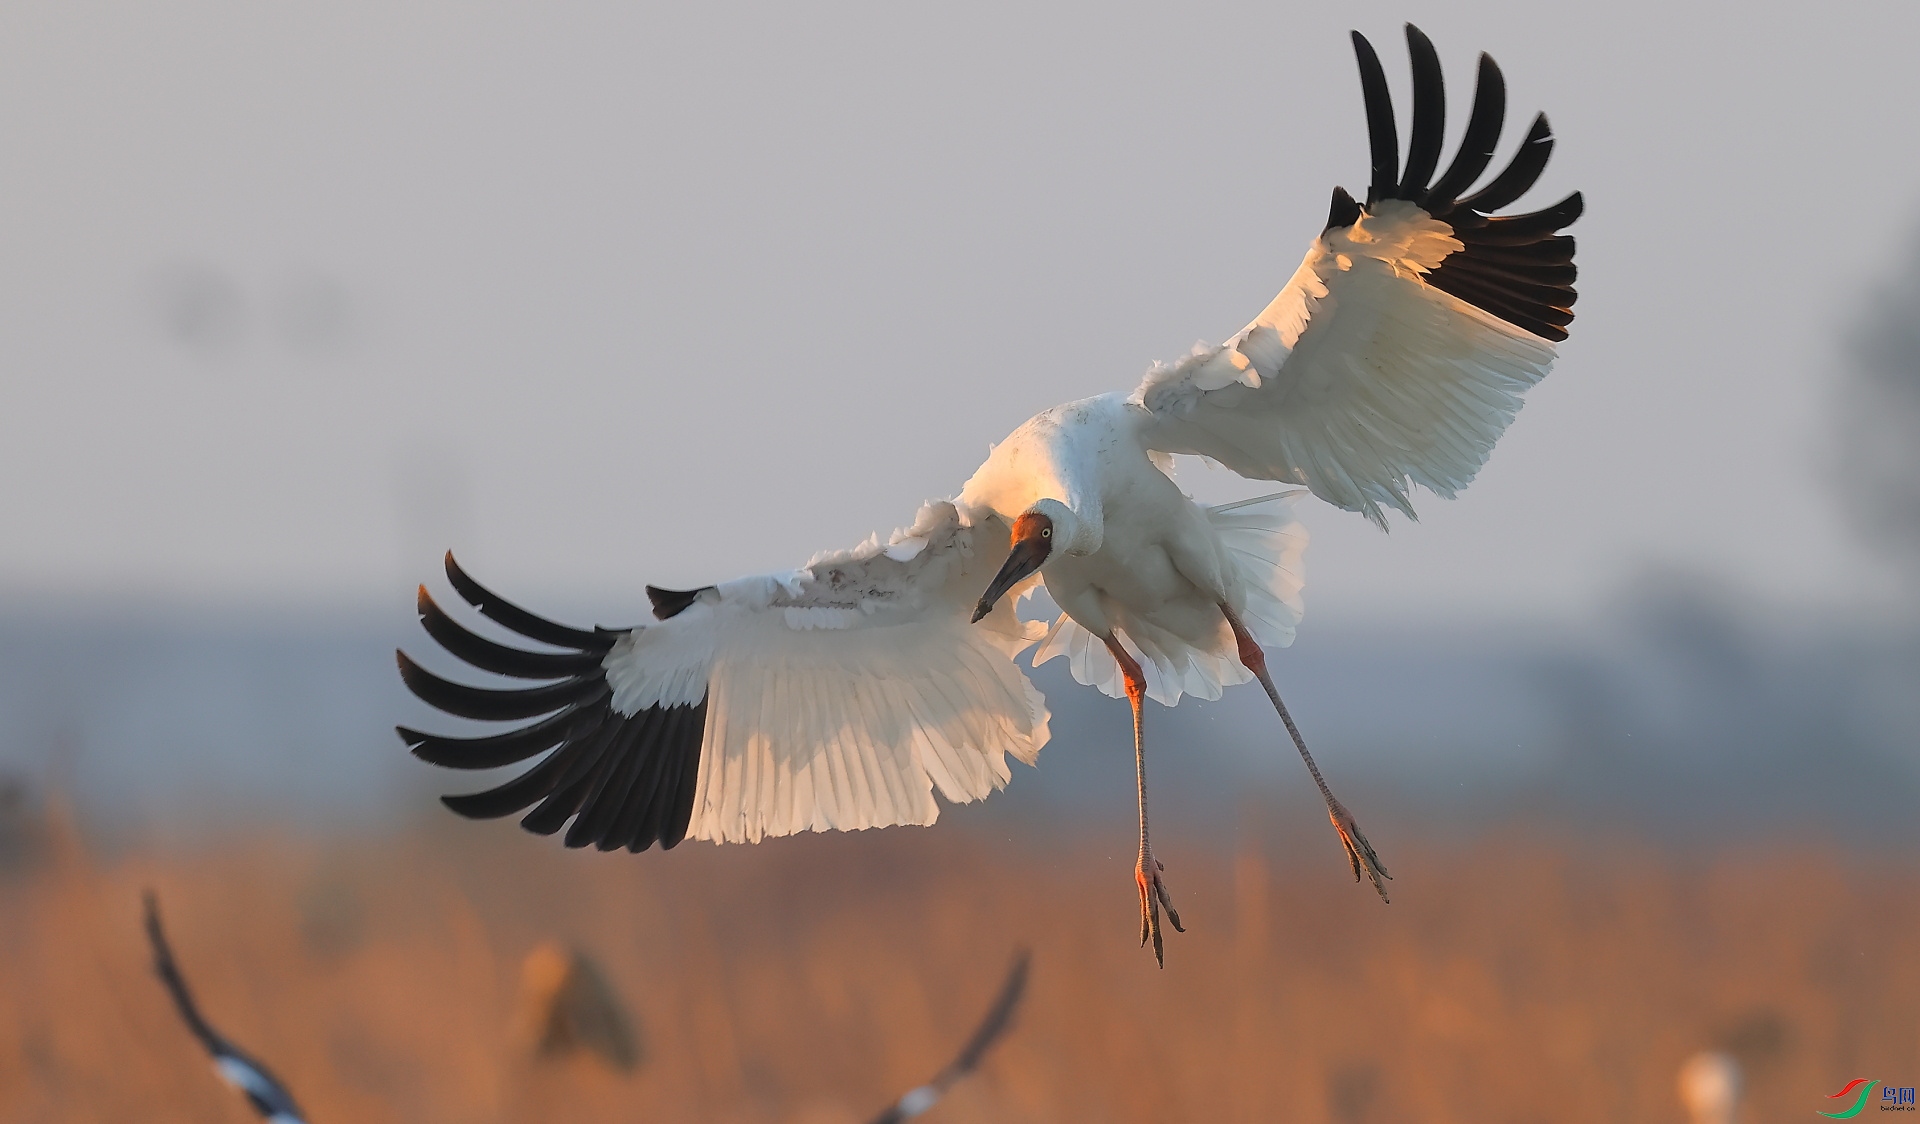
(1030, 549)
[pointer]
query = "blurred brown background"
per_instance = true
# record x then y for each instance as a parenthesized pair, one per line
(1523, 977)
(296, 297)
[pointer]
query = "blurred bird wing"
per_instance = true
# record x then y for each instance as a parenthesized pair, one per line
(834, 697)
(269, 1098)
(992, 1028)
(1397, 353)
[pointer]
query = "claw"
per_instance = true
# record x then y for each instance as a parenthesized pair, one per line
(1147, 929)
(1154, 898)
(1173, 914)
(1359, 852)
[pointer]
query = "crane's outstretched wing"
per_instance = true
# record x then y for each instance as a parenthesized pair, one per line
(1398, 352)
(835, 697)
(262, 1089)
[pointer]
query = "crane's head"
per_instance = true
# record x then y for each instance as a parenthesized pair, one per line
(1032, 544)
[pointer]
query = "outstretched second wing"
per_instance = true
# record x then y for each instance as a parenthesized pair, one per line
(834, 697)
(1398, 352)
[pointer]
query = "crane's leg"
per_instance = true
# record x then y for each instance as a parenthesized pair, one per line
(1146, 873)
(1359, 851)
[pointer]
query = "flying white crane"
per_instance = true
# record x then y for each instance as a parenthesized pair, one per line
(842, 694)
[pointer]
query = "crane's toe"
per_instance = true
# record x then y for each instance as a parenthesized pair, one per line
(1359, 852)
(1154, 898)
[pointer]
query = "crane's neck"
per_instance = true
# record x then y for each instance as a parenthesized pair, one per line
(1052, 466)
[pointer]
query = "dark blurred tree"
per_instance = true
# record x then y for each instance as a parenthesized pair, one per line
(1879, 455)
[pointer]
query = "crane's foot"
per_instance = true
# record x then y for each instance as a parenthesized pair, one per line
(1153, 896)
(1359, 851)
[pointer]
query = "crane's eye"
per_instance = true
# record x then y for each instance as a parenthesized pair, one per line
(1046, 532)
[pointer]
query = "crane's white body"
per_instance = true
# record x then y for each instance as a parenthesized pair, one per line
(1136, 556)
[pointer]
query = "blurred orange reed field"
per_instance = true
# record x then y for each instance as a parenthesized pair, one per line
(814, 979)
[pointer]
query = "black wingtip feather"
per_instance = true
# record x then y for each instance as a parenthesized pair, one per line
(642, 810)
(264, 1091)
(1429, 115)
(1343, 211)
(1521, 172)
(692, 736)
(1555, 251)
(554, 812)
(493, 706)
(1543, 289)
(613, 786)
(524, 790)
(1477, 145)
(501, 749)
(1532, 313)
(527, 624)
(1518, 316)
(460, 804)
(1383, 139)
(1562, 214)
(639, 791)
(1531, 274)
(670, 603)
(999, 1017)
(500, 659)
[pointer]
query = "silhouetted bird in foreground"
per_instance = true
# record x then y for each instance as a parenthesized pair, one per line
(262, 1089)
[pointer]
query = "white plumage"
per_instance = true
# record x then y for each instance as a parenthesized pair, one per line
(1360, 379)
(1265, 546)
(845, 694)
(841, 695)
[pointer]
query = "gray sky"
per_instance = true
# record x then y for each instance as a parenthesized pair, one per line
(296, 294)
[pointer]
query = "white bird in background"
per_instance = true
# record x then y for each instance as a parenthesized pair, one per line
(1710, 1087)
(841, 695)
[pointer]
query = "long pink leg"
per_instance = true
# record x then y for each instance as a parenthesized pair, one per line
(1359, 851)
(1146, 872)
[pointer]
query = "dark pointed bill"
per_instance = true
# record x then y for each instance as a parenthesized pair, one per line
(1032, 542)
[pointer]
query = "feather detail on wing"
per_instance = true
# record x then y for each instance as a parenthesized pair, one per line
(1398, 352)
(1267, 546)
(837, 696)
